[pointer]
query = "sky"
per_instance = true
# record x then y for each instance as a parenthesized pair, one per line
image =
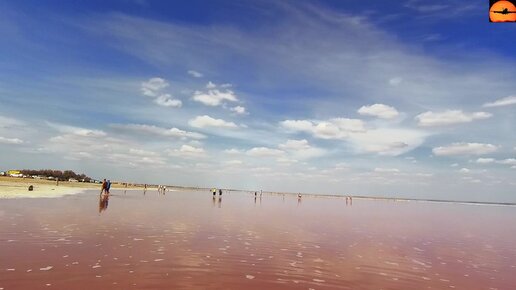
(380, 98)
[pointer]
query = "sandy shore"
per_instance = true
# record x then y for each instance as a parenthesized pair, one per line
(11, 187)
(19, 190)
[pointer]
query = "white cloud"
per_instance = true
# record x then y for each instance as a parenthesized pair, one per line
(4, 140)
(214, 97)
(6, 122)
(395, 81)
(298, 125)
(286, 161)
(152, 87)
(210, 85)
(234, 162)
(195, 74)
(239, 110)
(76, 130)
(386, 141)
(150, 129)
(337, 128)
(485, 160)
(455, 165)
(510, 100)
(187, 151)
(103, 148)
(465, 149)
(386, 170)
(232, 151)
(166, 100)
(143, 153)
(464, 170)
(424, 174)
(295, 145)
(449, 117)
(300, 149)
(207, 121)
(264, 152)
(379, 110)
(308, 153)
(508, 161)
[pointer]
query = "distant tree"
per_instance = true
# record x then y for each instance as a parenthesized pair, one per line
(58, 174)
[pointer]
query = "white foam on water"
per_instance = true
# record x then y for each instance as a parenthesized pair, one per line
(250, 277)
(47, 268)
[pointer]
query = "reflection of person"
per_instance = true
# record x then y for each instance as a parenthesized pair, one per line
(103, 202)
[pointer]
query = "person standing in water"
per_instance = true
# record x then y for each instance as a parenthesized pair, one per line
(103, 188)
(108, 186)
(220, 192)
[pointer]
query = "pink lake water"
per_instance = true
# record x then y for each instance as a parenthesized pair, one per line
(187, 240)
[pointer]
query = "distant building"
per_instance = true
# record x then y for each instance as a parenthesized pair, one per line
(14, 173)
(73, 180)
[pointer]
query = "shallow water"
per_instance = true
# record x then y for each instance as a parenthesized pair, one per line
(187, 240)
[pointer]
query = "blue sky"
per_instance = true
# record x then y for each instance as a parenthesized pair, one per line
(389, 98)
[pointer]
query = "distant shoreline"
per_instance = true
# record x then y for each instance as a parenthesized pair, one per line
(18, 186)
(364, 197)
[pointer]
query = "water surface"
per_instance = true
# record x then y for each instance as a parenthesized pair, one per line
(188, 240)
